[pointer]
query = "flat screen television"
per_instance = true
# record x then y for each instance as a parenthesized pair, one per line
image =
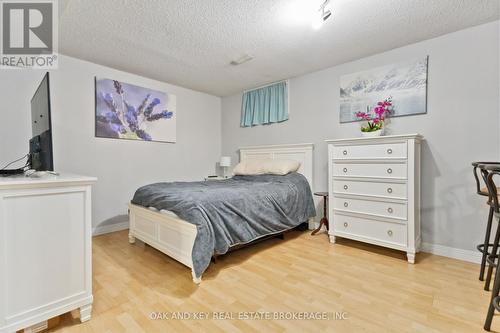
(41, 155)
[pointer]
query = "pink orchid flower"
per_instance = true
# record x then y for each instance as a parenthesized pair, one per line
(363, 115)
(375, 118)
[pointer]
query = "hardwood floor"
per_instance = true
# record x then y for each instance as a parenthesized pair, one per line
(375, 288)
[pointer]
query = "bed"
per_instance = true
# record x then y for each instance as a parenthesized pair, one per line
(193, 243)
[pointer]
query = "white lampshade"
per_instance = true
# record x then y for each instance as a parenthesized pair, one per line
(225, 161)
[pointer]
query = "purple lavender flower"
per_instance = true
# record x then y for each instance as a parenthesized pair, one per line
(143, 135)
(110, 102)
(118, 128)
(111, 117)
(141, 107)
(131, 117)
(151, 106)
(162, 115)
(118, 87)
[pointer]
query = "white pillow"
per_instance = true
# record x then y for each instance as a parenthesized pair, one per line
(266, 166)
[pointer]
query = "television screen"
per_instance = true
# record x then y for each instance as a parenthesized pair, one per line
(41, 156)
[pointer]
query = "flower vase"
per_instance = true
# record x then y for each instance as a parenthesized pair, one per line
(372, 134)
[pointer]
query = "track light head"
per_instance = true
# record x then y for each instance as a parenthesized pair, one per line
(326, 14)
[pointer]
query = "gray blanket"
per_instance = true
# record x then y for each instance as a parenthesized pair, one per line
(233, 211)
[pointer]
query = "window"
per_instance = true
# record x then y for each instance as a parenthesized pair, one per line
(265, 105)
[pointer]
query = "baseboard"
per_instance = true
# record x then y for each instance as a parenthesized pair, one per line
(445, 251)
(451, 252)
(107, 228)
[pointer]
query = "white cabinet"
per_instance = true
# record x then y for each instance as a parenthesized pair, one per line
(45, 249)
(374, 191)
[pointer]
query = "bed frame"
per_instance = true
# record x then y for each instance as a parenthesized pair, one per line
(175, 237)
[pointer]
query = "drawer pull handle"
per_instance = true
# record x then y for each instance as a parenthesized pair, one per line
(346, 225)
(345, 170)
(389, 233)
(389, 151)
(344, 152)
(389, 190)
(389, 171)
(346, 187)
(389, 210)
(346, 204)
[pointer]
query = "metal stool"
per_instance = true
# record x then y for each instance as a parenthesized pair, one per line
(483, 191)
(493, 201)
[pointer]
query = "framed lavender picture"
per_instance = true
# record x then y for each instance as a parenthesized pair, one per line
(127, 111)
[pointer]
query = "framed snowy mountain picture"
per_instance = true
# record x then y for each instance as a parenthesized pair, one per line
(405, 82)
(127, 111)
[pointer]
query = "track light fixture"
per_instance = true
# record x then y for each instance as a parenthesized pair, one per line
(325, 15)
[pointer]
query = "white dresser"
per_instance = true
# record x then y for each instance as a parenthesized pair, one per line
(46, 247)
(374, 191)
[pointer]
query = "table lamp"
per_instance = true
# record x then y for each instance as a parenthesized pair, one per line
(225, 162)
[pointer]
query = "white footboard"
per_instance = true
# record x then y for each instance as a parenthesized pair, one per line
(168, 234)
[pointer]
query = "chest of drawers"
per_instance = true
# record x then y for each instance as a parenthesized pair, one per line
(374, 191)
(45, 249)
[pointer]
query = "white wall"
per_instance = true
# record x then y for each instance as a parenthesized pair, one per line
(121, 165)
(461, 126)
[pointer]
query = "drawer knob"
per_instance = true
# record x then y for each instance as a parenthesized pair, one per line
(389, 151)
(389, 171)
(346, 187)
(389, 210)
(389, 190)
(346, 225)
(389, 233)
(345, 170)
(346, 204)
(344, 152)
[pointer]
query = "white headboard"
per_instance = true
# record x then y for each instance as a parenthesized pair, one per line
(301, 152)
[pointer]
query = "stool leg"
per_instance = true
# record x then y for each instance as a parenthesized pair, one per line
(491, 309)
(493, 254)
(486, 242)
(324, 220)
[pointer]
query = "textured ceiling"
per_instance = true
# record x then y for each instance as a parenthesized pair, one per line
(191, 43)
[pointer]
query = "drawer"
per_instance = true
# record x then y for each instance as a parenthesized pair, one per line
(371, 151)
(377, 208)
(370, 170)
(374, 230)
(370, 188)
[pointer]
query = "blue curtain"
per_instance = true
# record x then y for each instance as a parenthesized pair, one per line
(265, 105)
